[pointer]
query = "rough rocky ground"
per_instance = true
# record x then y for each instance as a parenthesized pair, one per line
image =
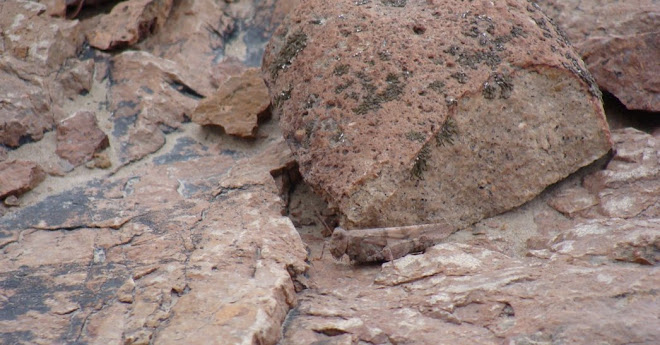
(179, 233)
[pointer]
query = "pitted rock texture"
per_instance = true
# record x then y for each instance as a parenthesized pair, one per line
(414, 112)
(619, 42)
(528, 276)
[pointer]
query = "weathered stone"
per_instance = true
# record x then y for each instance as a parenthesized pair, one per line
(629, 185)
(33, 54)
(18, 177)
(236, 106)
(621, 51)
(205, 36)
(186, 261)
(149, 96)
(129, 22)
(460, 116)
(79, 138)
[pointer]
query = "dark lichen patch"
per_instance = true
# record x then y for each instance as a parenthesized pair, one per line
(460, 77)
(294, 44)
(474, 58)
(285, 95)
(447, 133)
(489, 91)
(340, 70)
(437, 86)
(373, 100)
(505, 84)
(394, 3)
(421, 163)
(311, 101)
(584, 74)
(385, 55)
(341, 87)
(498, 85)
(416, 136)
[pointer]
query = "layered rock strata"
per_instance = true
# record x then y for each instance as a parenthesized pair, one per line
(415, 112)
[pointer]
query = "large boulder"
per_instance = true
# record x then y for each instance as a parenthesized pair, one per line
(409, 112)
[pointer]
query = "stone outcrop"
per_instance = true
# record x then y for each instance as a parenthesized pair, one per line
(162, 255)
(34, 60)
(628, 187)
(237, 106)
(618, 41)
(528, 276)
(414, 112)
(79, 138)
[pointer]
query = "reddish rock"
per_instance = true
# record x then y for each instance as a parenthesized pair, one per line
(129, 22)
(204, 36)
(18, 177)
(79, 137)
(628, 187)
(33, 55)
(181, 260)
(459, 116)
(237, 105)
(618, 41)
(149, 95)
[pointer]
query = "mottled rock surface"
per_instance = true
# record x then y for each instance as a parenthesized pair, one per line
(459, 116)
(620, 43)
(237, 106)
(34, 56)
(79, 138)
(18, 177)
(129, 22)
(185, 239)
(527, 276)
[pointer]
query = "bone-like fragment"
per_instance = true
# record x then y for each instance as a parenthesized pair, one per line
(386, 244)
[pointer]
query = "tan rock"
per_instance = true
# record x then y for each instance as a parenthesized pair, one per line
(185, 262)
(129, 22)
(459, 116)
(621, 51)
(18, 177)
(149, 96)
(79, 138)
(628, 186)
(237, 106)
(32, 57)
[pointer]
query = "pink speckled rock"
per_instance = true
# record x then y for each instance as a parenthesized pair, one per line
(409, 112)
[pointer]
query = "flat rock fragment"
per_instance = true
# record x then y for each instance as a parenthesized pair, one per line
(236, 106)
(79, 137)
(129, 22)
(411, 112)
(18, 177)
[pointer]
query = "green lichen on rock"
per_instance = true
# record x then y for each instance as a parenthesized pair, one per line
(295, 43)
(340, 70)
(437, 86)
(447, 133)
(421, 163)
(415, 136)
(372, 100)
(394, 3)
